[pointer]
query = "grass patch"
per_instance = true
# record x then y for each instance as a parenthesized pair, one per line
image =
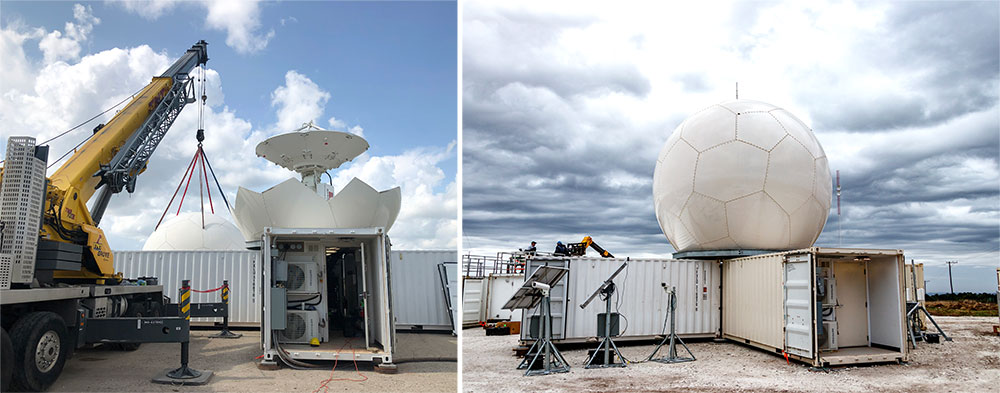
(961, 308)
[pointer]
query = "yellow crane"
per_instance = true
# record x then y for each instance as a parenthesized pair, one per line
(108, 162)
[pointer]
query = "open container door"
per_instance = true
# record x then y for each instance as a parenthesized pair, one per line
(798, 304)
(448, 272)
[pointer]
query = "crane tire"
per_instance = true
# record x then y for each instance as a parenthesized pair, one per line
(6, 360)
(41, 346)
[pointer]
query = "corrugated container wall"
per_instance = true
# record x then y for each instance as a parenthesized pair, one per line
(752, 300)
(206, 270)
(641, 296)
(418, 295)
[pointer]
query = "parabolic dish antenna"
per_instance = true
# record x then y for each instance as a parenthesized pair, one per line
(312, 151)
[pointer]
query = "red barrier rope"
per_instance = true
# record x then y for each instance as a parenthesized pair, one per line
(207, 290)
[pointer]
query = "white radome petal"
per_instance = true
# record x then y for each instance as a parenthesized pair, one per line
(250, 214)
(291, 204)
(389, 202)
(354, 206)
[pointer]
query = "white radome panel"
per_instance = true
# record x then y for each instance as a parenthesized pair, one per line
(292, 204)
(184, 232)
(355, 205)
(742, 174)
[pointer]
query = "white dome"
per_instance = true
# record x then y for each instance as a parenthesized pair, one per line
(184, 232)
(742, 175)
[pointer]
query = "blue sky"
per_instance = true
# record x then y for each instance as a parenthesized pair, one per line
(385, 70)
(391, 66)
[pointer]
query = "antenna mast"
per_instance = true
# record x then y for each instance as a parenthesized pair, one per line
(840, 224)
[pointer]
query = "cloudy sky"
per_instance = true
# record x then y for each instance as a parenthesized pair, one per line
(566, 107)
(386, 71)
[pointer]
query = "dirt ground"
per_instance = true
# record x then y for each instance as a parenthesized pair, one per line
(970, 363)
(232, 361)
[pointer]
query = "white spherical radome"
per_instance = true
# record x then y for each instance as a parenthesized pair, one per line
(742, 175)
(184, 232)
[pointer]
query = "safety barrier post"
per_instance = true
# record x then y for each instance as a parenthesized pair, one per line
(184, 374)
(225, 333)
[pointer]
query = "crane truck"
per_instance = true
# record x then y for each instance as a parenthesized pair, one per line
(58, 287)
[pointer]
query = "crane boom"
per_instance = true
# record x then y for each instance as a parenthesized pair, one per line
(110, 161)
(580, 249)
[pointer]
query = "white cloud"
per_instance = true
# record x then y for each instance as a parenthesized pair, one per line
(59, 46)
(299, 101)
(340, 125)
(150, 9)
(240, 19)
(56, 48)
(13, 62)
(85, 21)
(904, 99)
(428, 218)
(336, 123)
(357, 130)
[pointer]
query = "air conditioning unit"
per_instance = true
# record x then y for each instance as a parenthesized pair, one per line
(831, 336)
(303, 278)
(300, 327)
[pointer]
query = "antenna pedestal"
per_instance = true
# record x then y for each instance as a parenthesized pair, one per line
(672, 356)
(543, 350)
(607, 346)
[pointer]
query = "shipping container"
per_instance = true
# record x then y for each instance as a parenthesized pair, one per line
(419, 297)
(821, 306)
(206, 270)
(640, 298)
(326, 295)
(913, 276)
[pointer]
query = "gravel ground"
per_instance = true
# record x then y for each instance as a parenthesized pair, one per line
(970, 363)
(102, 370)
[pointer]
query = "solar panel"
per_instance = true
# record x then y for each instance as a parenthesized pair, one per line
(528, 297)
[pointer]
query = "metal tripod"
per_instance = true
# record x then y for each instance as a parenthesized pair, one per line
(911, 318)
(672, 337)
(607, 343)
(552, 360)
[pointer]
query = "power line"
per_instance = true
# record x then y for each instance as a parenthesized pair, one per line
(81, 125)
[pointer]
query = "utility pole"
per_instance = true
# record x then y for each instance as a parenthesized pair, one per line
(950, 284)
